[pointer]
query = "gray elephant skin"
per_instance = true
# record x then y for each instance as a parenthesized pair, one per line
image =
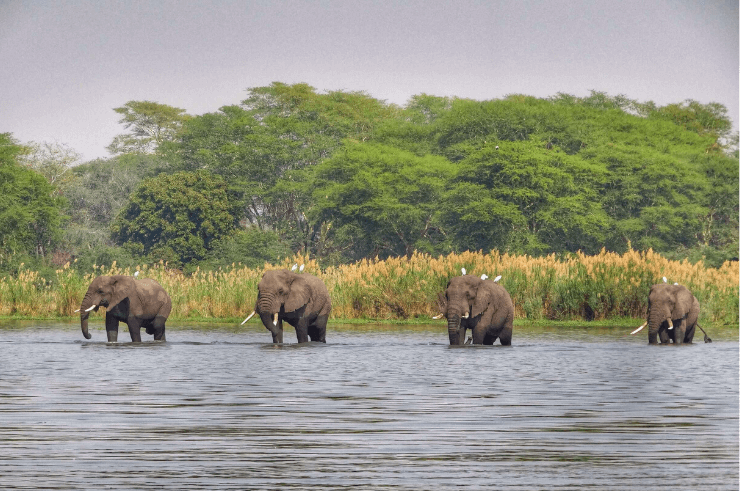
(480, 305)
(673, 312)
(138, 303)
(301, 300)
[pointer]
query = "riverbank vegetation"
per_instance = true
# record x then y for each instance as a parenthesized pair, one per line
(569, 287)
(386, 201)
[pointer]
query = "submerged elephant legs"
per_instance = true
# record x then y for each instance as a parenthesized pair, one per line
(155, 326)
(306, 330)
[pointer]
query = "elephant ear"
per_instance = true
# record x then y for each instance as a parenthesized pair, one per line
(684, 300)
(123, 287)
(300, 294)
(483, 299)
(442, 301)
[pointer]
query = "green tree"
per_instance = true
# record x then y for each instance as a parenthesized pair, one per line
(250, 247)
(149, 124)
(53, 161)
(30, 210)
(277, 130)
(176, 217)
(96, 192)
(520, 197)
(380, 201)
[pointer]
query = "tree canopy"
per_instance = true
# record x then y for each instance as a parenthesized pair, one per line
(30, 210)
(342, 176)
(175, 217)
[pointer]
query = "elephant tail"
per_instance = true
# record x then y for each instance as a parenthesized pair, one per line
(707, 339)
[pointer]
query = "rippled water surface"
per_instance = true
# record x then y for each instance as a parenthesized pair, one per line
(379, 407)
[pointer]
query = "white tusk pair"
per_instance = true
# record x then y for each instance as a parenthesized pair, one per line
(639, 329)
(275, 319)
(439, 316)
(248, 317)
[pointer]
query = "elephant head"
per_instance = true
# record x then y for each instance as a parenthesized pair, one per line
(463, 299)
(280, 292)
(105, 291)
(668, 302)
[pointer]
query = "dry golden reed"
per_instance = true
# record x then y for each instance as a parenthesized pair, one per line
(606, 285)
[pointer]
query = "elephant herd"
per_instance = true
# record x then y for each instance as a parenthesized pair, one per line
(302, 300)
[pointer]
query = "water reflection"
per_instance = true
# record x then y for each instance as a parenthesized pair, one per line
(378, 407)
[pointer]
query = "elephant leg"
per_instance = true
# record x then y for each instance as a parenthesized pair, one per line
(277, 333)
(689, 336)
(158, 328)
(317, 329)
(134, 328)
(665, 336)
(111, 328)
(679, 329)
(489, 338)
(479, 334)
(301, 331)
(505, 334)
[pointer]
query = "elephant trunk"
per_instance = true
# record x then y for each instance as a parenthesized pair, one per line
(268, 304)
(84, 314)
(656, 317)
(453, 328)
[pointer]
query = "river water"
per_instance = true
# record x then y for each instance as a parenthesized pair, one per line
(378, 407)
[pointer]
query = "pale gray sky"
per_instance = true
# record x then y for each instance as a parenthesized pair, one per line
(64, 65)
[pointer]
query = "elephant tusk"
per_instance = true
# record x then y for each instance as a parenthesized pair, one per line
(467, 314)
(88, 310)
(275, 319)
(76, 311)
(670, 324)
(438, 316)
(248, 317)
(639, 329)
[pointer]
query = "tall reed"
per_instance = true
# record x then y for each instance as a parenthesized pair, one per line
(602, 286)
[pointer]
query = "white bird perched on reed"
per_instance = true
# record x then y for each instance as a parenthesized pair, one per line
(295, 266)
(136, 275)
(301, 268)
(665, 280)
(497, 278)
(463, 271)
(484, 276)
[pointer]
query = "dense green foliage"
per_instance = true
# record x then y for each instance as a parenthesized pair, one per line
(343, 176)
(30, 210)
(175, 217)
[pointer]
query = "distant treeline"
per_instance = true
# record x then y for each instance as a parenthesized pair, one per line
(572, 287)
(343, 177)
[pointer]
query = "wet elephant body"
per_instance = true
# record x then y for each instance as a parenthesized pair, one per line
(483, 306)
(138, 303)
(301, 300)
(673, 312)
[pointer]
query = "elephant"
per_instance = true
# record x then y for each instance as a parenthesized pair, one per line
(672, 314)
(481, 305)
(301, 300)
(138, 303)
